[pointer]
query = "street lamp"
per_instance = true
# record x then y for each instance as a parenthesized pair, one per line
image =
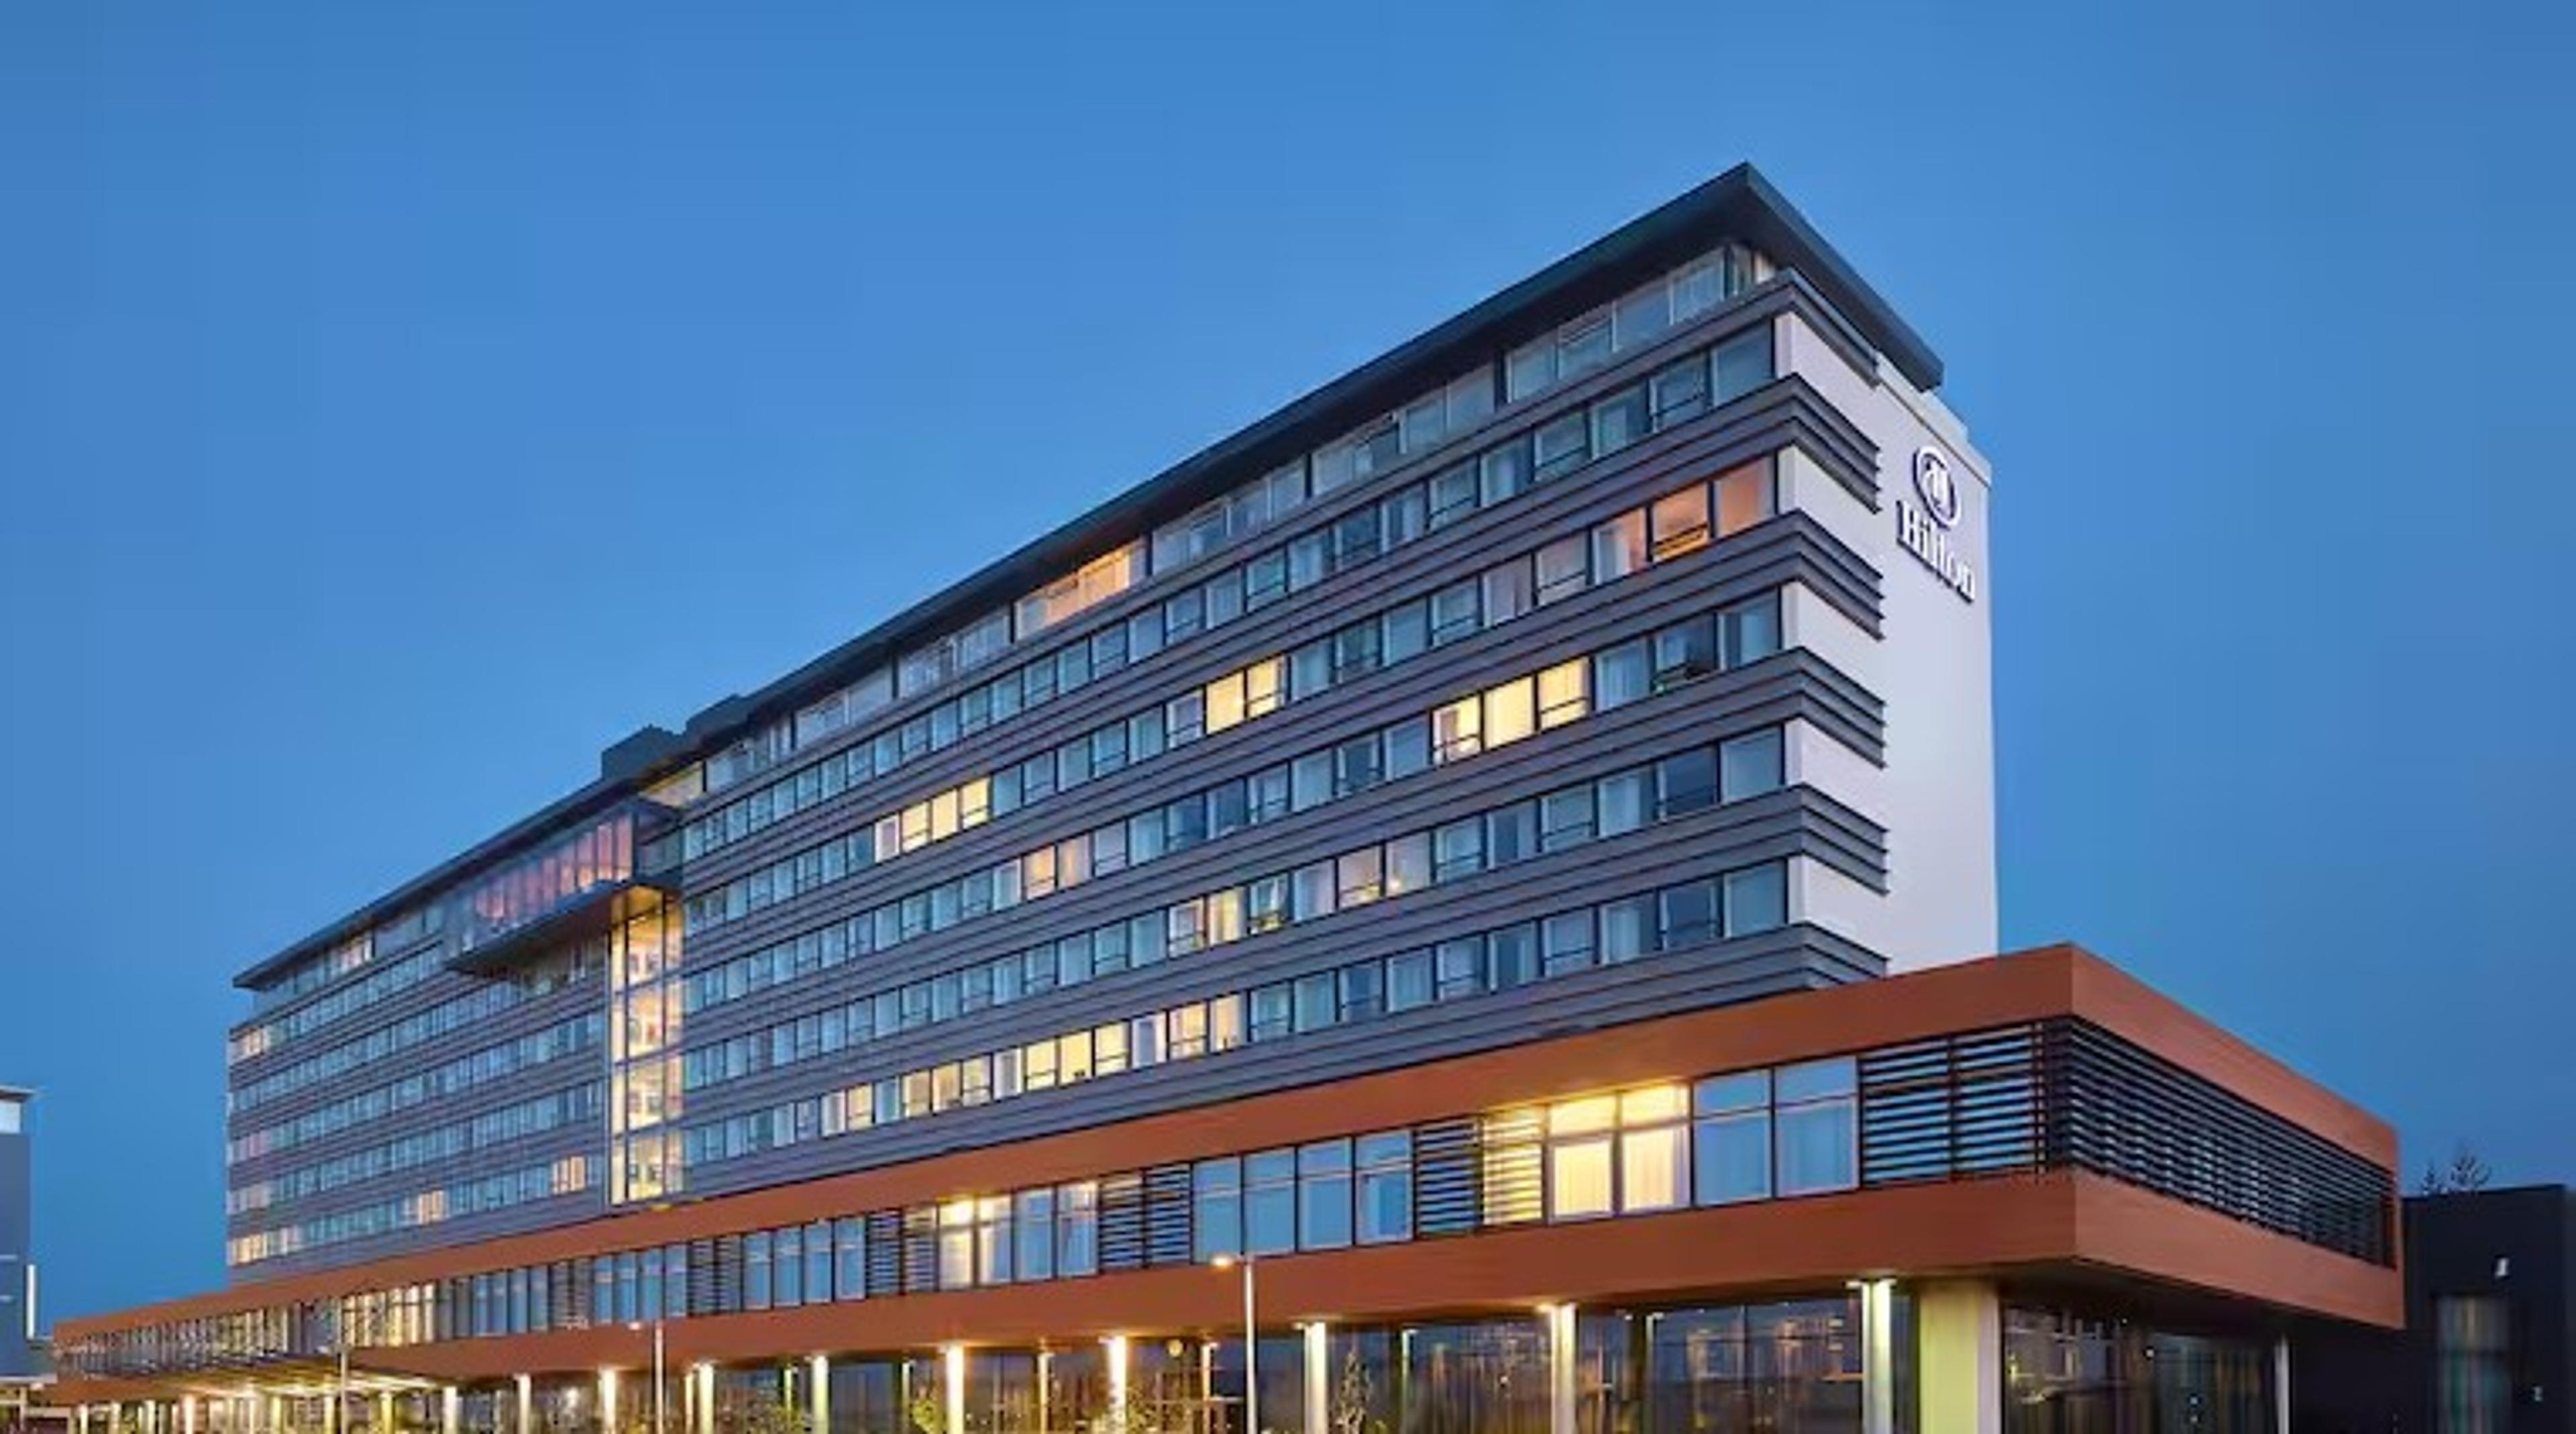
(657, 1369)
(1251, 1344)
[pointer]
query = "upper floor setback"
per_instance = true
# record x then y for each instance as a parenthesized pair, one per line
(1722, 246)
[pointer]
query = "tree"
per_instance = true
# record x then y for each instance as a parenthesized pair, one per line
(1352, 1397)
(2466, 1172)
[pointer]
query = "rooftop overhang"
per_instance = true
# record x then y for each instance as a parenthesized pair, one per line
(593, 913)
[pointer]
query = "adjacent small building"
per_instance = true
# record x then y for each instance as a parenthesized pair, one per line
(2489, 1345)
(22, 1361)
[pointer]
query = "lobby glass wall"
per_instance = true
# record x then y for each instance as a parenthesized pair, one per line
(2073, 1373)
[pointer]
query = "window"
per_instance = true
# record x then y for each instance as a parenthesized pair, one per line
(1386, 1187)
(1742, 365)
(1077, 1216)
(1757, 899)
(1563, 569)
(1270, 1201)
(1457, 730)
(1731, 1137)
(1620, 420)
(1217, 1213)
(1621, 675)
(1679, 522)
(1653, 1168)
(1035, 1225)
(1509, 591)
(2473, 1373)
(1579, 1156)
(1818, 1127)
(1511, 712)
(1752, 631)
(850, 1257)
(1750, 765)
(1619, 546)
(1680, 393)
(1324, 1195)
(1563, 446)
(1745, 496)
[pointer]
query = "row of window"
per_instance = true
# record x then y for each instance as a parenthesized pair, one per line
(551, 1111)
(1742, 1136)
(572, 966)
(1676, 654)
(1580, 347)
(379, 984)
(571, 1036)
(1412, 429)
(342, 959)
(1689, 914)
(1679, 392)
(1671, 526)
(565, 1175)
(1610, 806)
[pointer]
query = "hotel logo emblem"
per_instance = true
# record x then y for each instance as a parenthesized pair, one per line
(1939, 490)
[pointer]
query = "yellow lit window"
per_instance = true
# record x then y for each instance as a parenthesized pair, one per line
(1511, 712)
(943, 816)
(1456, 730)
(975, 802)
(1564, 693)
(1579, 1178)
(1262, 683)
(1225, 702)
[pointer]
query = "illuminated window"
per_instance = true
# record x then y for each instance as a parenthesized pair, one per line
(1456, 730)
(1745, 496)
(1511, 712)
(1580, 1150)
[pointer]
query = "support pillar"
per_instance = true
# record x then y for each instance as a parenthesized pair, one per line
(2281, 1385)
(525, 1409)
(385, 1412)
(608, 1401)
(706, 1382)
(1560, 1368)
(1960, 1328)
(1319, 1377)
(818, 1397)
(954, 1386)
(1117, 1345)
(187, 1414)
(451, 1410)
(1879, 1356)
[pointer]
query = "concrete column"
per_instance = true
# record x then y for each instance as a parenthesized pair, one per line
(1879, 1356)
(952, 1385)
(818, 1399)
(608, 1401)
(2281, 1386)
(525, 1410)
(1319, 1377)
(1560, 1368)
(188, 1414)
(385, 1412)
(1960, 1327)
(706, 1381)
(451, 1410)
(1117, 1345)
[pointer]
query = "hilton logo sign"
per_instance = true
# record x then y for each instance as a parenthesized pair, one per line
(1925, 531)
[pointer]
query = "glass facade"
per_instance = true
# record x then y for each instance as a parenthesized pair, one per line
(2069, 1372)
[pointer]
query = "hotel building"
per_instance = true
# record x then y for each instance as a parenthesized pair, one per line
(1486, 875)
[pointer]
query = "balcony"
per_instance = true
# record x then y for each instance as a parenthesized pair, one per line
(577, 885)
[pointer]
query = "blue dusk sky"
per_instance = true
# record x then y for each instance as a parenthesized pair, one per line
(400, 402)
